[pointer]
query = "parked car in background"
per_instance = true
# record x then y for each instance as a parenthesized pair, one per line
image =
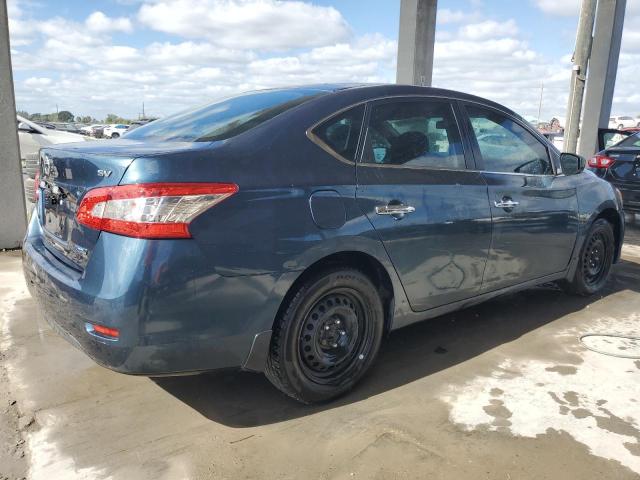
(288, 230)
(622, 122)
(619, 164)
(138, 123)
(94, 130)
(68, 127)
(32, 137)
(115, 130)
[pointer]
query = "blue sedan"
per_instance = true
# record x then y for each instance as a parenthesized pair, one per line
(287, 231)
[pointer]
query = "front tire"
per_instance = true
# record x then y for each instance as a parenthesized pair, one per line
(327, 337)
(596, 258)
(620, 127)
(115, 135)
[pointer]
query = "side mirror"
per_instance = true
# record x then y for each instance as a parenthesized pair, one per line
(23, 127)
(571, 163)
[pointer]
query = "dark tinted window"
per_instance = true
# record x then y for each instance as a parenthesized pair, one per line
(414, 133)
(341, 133)
(224, 119)
(506, 146)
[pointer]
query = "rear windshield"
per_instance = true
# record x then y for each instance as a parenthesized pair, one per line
(225, 118)
(631, 141)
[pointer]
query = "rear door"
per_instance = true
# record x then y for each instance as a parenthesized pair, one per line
(534, 211)
(429, 209)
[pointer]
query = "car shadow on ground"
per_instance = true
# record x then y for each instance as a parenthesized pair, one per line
(242, 399)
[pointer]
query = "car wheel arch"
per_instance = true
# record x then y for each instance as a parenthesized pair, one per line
(359, 260)
(612, 215)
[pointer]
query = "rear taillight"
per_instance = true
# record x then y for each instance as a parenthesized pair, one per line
(601, 161)
(150, 210)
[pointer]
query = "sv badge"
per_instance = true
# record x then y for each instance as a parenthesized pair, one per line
(104, 173)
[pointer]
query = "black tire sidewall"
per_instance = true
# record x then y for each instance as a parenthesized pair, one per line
(313, 290)
(580, 284)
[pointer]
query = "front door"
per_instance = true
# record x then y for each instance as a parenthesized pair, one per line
(429, 210)
(534, 211)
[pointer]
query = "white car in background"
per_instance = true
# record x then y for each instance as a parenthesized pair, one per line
(91, 129)
(115, 130)
(33, 136)
(622, 122)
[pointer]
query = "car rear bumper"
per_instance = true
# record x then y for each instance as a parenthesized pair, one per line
(173, 315)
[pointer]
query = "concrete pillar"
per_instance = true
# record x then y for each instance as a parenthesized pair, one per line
(416, 39)
(603, 67)
(12, 208)
(579, 74)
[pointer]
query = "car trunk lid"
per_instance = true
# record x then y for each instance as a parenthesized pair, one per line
(65, 177)
(626, 168)
(67, 172)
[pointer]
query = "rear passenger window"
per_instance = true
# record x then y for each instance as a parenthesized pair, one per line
(414, 134)
(342, 132)
(506, 146)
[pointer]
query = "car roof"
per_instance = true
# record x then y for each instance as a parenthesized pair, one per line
(362, 92)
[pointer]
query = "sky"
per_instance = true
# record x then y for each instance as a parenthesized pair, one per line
(109, 56)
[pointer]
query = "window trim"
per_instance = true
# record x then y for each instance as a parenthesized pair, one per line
(468, 159)
(311, 135)
(476, 148)
(462, 119)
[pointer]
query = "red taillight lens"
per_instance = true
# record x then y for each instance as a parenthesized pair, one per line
(150, 210)
(36, 187)
(601, 161)
(105, 331)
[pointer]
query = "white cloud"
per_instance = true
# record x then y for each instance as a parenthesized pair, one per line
(248, 24)
(489, 29)
(447, 16)
(566, 8)
(37, 82)
(100, 23)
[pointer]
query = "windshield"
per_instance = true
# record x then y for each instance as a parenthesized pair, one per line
(224, 119)
(631, 141)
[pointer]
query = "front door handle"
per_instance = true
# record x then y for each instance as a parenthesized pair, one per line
(397, 210)
(506, 202)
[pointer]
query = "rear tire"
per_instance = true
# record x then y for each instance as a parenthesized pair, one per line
(327, 337)
(620, 127)
(115, 135)
(596, 258)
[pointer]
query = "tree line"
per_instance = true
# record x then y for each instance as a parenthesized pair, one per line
(68, 117)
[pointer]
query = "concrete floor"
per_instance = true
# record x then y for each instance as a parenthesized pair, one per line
(504, 390)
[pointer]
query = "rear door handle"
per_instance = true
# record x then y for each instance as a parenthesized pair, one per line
(506, 203)
(392, 209)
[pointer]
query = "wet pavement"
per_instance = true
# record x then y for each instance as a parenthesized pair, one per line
(502, 390)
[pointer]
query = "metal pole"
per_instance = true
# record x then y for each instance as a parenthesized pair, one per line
(540, 103)
(579, 74)
(603, 67)
(12, 213)
(416, 39)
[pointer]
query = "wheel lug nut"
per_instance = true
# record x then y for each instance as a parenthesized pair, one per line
(342, 332)
(334, 345)
(327, 327)
(337, 322)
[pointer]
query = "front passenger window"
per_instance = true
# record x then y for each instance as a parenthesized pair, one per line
(506, 146)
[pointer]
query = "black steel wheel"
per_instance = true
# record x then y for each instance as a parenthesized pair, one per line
(327, 337)
(596, 258)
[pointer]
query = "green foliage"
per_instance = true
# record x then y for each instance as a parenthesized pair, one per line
(65, 116)
(113, 118)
